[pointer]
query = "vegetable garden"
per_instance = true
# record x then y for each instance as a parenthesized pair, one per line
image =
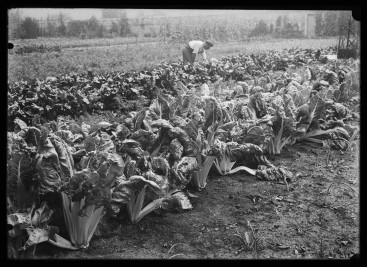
(168, 129)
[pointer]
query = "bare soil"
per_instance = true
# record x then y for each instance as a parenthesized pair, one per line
(317, 218)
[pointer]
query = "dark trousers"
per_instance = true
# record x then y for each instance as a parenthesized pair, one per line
(188, 55)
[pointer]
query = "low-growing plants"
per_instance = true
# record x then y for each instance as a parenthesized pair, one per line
(226, 115)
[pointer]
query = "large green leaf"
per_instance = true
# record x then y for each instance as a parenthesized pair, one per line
(274, 174)
(255, 135)
(181, 172)
(122, 132)
(176, 149)
(189, 145)
(65, 158)
(48, 168)
(138, 119)
(247, 154)
(20, 178)
(257, 103)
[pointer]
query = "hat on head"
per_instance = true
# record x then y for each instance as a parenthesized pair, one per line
(210, 43)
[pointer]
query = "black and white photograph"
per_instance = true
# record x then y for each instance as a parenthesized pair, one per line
(170, 134)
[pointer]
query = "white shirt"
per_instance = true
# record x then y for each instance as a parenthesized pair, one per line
(198, 47)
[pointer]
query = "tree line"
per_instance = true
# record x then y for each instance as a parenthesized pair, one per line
(29, 28)
(326, 24)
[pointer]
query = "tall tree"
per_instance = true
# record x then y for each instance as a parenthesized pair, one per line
(29, 28)
(51, 29)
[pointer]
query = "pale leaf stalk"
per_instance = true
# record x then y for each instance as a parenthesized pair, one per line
(135, 206)
(149, 208)
(199, 177)
(80, 229)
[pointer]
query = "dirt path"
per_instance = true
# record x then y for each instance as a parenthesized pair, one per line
(317, 218)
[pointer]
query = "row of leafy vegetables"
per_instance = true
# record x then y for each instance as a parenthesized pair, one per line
(147, 160)
(74, 94)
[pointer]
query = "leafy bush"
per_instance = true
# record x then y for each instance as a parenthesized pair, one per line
(124, 26)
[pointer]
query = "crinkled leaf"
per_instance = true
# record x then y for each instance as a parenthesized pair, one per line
(123, 192)
(90, 144)
(176, 149)
(212, 111)
(247, 113)
(48, 167)
(131, 147)
(36, 236)
(301, 97)
(19, 218)
(20, 177)
(161, 123)
(341, 112)
(189, 146)
(160, 180)
(122, 132)
(255, 135)
(239, 103)
(104, 124)
(289, 106)
(337, 138)
(35, 222)
(65, 135)
(130, 168)
(177, 121)
(19, 125)
(277, 103)
(32, 136)
(66, 161)
(181, 172)
(145, 138)
(160, 165)
(248, 154)
(308, 114)
(81, 184)
(257, 103)
(177, 201)
(41, 216)
(274, 174)
(138, 119)
(191, 129)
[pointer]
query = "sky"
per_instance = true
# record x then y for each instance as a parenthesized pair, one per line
(86, 13)
(78, 13)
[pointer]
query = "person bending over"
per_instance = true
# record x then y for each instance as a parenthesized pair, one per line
(193, 48)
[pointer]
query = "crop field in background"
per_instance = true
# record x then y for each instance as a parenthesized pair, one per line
(65, 42)
(123, 54)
